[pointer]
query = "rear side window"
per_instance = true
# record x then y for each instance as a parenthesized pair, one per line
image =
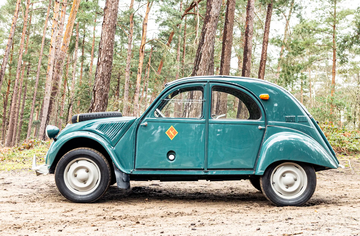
(231, 103)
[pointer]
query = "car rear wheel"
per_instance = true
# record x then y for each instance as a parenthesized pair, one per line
(83, 175)
(288, 183)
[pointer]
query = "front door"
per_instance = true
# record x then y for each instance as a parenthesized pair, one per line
(172, 135)
(236, 128)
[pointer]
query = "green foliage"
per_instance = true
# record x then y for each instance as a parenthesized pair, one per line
(21, 157)
(342, 140)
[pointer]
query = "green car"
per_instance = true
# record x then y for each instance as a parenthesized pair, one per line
(210, 128)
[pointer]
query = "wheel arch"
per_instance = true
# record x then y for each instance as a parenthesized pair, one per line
(293, 147)
(81, 139)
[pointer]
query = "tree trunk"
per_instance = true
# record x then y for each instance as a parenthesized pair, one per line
(104, 65)
(128, 61)
(92, 52)
(64, 93)
(310, 87)
(178, 48)
(146, 82)
(60, 58)
(38, 73)
(7, 96)
(285, 39)
(22, 112)
(49, 75)
(249, 31)
(265, 41)
(227, 38)
(82, 63)
(205, 51)
(184, 51)
(333, 71)
(12, 122)
(74, 74)
(19, 91)
(9, 43)
(141, 60)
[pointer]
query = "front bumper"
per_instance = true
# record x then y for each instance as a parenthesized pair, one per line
(40, 170)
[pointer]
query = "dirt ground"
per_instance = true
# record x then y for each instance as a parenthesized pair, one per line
(31, 205)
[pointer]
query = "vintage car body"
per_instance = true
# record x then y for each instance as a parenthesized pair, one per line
(270, 139)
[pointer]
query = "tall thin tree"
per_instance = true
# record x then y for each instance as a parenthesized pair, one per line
(249, 31)
(101, 88)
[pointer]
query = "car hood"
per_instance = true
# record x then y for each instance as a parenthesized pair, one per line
(111, 129)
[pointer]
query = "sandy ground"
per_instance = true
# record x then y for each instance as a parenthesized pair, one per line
(31, 205)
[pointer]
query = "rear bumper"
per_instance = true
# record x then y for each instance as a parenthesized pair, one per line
(40, 170)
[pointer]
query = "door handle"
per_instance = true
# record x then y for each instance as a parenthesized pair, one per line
(261, 127)
(144, 124)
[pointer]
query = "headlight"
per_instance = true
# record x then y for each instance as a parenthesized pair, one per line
(51, 131)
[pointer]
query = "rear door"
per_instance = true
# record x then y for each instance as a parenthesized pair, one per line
(236, 128)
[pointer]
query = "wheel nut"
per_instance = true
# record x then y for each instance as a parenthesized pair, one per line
(75, 175)
(284, 176)
(295, 179)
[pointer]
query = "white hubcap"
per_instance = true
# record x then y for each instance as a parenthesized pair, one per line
(82, 176)
(289, 180)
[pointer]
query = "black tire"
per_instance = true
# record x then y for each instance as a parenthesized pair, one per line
(288, 183)
(96, 115)
(83, 175)
(255, 182)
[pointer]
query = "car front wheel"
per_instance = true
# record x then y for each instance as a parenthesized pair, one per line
(288, 183)
(83, 175)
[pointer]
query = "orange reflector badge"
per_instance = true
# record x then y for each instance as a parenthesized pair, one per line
(171, 132)
(264, 96)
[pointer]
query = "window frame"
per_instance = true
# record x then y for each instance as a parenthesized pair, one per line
(235, 87)
(179, 87)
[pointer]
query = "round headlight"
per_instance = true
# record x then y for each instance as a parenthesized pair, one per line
(51, 131)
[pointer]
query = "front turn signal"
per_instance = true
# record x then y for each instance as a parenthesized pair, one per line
(264, 96)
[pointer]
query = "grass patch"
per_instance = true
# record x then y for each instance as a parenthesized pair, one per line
(19, 158)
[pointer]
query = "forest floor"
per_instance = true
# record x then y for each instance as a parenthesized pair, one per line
(32, 205)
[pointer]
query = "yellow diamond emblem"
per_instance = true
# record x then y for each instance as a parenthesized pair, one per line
(171, 132)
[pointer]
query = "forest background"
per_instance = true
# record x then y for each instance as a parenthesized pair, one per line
(58, 62)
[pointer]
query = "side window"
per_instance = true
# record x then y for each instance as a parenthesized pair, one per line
(182, 103)
(231, 103)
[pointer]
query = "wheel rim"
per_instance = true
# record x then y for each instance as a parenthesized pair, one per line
(289, 180)
(82, 176)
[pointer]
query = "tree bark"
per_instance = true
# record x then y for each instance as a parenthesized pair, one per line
(64, 93)
(128, 60)
(82, 62)
(284, 40)
(205, 52)
(141, 60)
(22, 111)
(74, 74)
(50, 68)
(9, 43)
(12, 122)
(263, 59)
(38, 73)
(4, 121)
(227, 38)
(184, 50)
(60, 58)
(178, 48)
(21, 84)
(146, 82)
(92, 52)
(333, 71)
(104, 65)
(249, 31)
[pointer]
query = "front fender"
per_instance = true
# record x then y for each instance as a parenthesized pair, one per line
(289, 146)
(56, 146)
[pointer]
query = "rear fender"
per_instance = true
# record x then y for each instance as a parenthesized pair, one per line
(289, 146)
